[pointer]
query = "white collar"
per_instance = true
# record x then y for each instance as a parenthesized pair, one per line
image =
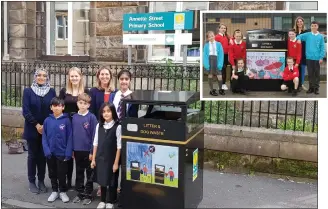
(291, 67)
(239, 42)
(59, 116)
(293, 40)
(221, 34)
(317, 33)
(212, 42)
(84, 113)
(125, 93)
(109, 124)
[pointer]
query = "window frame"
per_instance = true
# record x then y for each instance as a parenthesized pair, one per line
(64, 26)
(177, 58)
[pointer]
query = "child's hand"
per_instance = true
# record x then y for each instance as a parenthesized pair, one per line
(93, 164)
(235, 76)
(115, 167)
(320, 61)
(90, 157)
(296, 65)
(234, 67)
(299, 41)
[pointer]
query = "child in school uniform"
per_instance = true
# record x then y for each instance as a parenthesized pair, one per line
(213, 57)
(315, 52)
(131, 110)
(57, 147)
(237, 50)
(84, 126)
(223, 38)
(239, 75)
(294, 49)
(290, 77)
(106, 154)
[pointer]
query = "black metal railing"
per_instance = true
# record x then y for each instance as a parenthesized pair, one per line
(286, 115)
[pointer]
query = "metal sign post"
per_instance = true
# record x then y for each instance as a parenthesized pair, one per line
(185, 53)
(129, 54)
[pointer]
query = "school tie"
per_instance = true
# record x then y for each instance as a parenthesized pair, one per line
(120, 107)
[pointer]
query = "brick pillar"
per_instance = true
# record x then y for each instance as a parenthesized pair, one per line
(22, 30)
(106, 35)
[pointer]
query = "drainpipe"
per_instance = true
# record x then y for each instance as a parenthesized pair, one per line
(5, 32)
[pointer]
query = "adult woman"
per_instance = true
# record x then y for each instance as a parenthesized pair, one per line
(224, 39)
(36, 108)
(74, 87)
(102, 92)
(299, 27)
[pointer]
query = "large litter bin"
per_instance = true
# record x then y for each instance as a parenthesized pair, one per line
(163, 151)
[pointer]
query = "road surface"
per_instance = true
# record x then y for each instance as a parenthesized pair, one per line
(221, 190)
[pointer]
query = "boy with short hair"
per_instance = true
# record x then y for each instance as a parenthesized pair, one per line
(290, 77)
(84, 126)
(57, 147)
(314, 52)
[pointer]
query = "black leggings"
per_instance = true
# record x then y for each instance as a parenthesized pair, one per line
(70, 166)
(224, 68)
(109, 194)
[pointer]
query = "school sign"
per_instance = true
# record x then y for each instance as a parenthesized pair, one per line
(158, 21)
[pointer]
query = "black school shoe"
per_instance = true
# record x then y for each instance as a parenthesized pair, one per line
(295, 92)
(242, 91)
(213, 93)
(221, 92)
(310, 91)
(316, 91)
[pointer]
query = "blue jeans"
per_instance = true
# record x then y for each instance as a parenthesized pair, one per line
(302, 74)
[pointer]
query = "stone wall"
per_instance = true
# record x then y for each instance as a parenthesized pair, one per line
(22, 30)
(106, 35)
(243, 5)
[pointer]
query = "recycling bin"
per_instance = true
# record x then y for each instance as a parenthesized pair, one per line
(266, 52)
(163, 150)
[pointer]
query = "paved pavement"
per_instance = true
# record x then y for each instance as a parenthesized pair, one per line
(265, 94)
(221, 190)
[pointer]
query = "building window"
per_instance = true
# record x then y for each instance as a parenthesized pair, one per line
(175, 52)
(62, 28)
(68, 28)
(301, 5)
(238, 20)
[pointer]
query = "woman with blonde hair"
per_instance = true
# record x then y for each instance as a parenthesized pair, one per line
(74, 87)
(299, 28)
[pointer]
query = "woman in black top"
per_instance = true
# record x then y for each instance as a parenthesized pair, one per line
(299, 28)
(74, 87)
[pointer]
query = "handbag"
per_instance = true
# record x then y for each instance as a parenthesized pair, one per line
(16, 146)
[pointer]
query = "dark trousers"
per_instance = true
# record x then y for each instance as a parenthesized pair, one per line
(239, 84)
(109, 194)
(36, 160)
(313, 68)
(70, 166)
(57, 169)
(82, 164)
(224, 69)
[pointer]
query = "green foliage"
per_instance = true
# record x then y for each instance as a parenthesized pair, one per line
(298, 124)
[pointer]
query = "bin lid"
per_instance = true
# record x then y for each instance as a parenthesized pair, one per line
(152, 97)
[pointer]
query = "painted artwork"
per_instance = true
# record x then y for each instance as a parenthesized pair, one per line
(266, 65)
(195, 165)
(153, 164)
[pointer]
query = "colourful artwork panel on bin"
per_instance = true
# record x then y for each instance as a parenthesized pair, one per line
(266, 65)
(153, 164)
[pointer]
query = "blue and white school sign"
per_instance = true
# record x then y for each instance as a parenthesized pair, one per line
(158, 21)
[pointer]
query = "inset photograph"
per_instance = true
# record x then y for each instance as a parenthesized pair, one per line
(263, 55)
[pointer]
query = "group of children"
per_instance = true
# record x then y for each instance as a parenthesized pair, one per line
(95, 146)
(221, 50)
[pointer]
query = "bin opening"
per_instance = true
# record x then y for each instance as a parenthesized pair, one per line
(167, 113)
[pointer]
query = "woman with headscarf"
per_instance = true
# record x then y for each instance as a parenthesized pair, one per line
(36, 108)
(299, 28)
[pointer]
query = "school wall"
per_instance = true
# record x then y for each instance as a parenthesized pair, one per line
(224, 138)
